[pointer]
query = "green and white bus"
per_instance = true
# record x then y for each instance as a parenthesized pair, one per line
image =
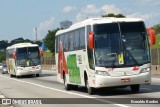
(104, 52)
(23, 59)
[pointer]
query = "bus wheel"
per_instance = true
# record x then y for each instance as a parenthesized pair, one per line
(67, 86)
(18, 76)
(11, 75)
(135, 88)
(90, 90)
(37, 75)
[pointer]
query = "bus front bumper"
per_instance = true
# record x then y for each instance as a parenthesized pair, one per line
(28, 72)
(108, 81)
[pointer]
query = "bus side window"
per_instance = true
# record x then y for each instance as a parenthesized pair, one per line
(63, 42)
(10, 53)
(71, 41)
(82, 38)
(57, 44)
(77, 39)
(74, 43)
(68, 36)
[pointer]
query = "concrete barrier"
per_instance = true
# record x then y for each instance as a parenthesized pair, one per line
(155, 69)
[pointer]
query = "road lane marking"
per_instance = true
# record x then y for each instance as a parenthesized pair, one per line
(156, 79)
(146, 89)
(72, 93)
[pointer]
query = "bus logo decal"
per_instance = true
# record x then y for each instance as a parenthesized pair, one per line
(74, 70)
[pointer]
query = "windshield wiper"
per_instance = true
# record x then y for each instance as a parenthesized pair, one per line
(130, 54)
(32, 61)
(23, 63)
(112, 64)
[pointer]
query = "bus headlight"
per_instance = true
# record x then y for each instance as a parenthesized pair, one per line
(145, 70)
(104, 73)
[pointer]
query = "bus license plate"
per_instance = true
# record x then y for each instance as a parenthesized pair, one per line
(125, 80)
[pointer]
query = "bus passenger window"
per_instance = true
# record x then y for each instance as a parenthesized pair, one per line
(82, 38)
(77, 39)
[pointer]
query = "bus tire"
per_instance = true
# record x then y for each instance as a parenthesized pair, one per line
(66, 86)
(90, 90)
(135, 88)
(11, 75)
(37, 75)
(18, 76)
(74, 87)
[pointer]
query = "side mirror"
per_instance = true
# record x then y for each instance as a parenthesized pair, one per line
(91, 40)
(41, 52)
(152, 38)
(14, 55)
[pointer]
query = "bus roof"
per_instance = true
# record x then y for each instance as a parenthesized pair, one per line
(20, 45)
(100, 20)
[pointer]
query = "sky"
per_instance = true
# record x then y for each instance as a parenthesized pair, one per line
(18, 18)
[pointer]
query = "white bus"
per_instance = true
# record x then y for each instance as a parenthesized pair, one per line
(104, 52)
(23, 59)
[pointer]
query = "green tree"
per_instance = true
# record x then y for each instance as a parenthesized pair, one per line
(14, 41)
(113, 15)
(157, 28)
(3, 44)
(49, 40)
(2, 56)
(120, 16)
(19, 40)
(39, 43)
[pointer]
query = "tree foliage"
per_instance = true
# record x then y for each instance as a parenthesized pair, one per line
(114, 15)
(39, 43)
(157, 28)
(3, 44)
(49, 40)
(2, 56)
(21, 40)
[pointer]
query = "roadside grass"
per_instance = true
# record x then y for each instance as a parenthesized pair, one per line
(157, 45)
(47, 54)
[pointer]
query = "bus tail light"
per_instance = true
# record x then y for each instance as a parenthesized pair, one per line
(152, 38)
(91, 40)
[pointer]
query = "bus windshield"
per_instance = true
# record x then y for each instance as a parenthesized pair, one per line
(27, 56)
(121, 44)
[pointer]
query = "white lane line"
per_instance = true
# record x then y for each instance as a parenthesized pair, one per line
(156, 79)
(146, 89)
(72, 93)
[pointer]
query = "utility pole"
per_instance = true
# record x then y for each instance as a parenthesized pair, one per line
(36, 32)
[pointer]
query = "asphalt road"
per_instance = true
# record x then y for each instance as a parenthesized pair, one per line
(46, 86)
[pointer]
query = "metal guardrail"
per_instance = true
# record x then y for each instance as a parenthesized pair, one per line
(155, 56)
(48, 60)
